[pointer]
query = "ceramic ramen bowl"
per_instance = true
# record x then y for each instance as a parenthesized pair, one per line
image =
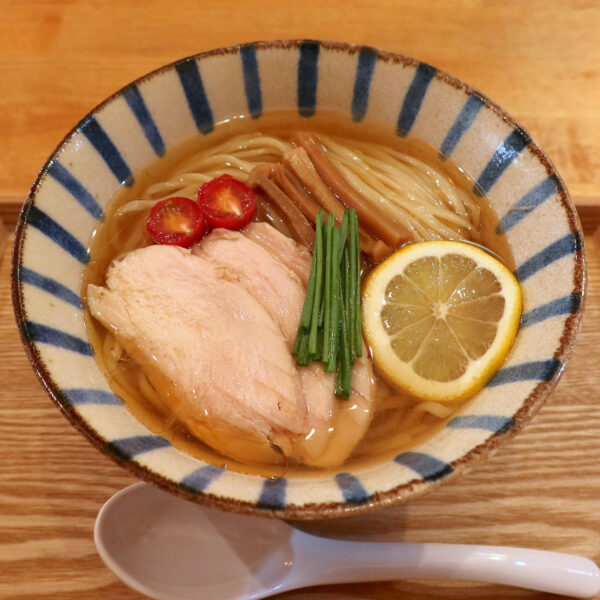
(162, 109)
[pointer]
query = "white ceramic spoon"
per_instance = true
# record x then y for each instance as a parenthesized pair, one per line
(171, 549)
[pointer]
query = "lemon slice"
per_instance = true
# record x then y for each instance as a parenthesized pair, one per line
(440, 318)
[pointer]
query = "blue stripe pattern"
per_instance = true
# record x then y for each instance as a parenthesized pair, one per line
(414, 98)
(308, 77)
(36, 332)
(362, 82)
(504, 155)
(251, 80)
(272, 495)
(49, 285)
(130, 447)
(75, 188)
(57, 233)
(138, 107)
(426, 466)
(352, 489)
(197, 481)
(464, 120)
(96, 135)
(191, 81)
(77, 396)
(539, 370)
(530, 201)
(561, 306)
(569, 244)
(494, 423)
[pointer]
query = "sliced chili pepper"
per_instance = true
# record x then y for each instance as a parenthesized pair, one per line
(176, 221)
(227, 202)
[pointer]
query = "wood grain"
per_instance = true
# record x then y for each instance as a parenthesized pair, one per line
(538, 59)
(540, 490)
(3, 237)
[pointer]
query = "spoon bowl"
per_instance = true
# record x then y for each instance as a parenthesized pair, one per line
(171, 549)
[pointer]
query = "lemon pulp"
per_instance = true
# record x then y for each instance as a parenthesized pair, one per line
(440, 318)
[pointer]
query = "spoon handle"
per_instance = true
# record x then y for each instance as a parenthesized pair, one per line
(540, 570)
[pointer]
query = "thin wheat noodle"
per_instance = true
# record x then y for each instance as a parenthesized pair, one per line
(394, 401)
(112, 352)
(394, 192)
(400, 188)
(382, 446)
(387, 185)
(435, 408)
(385, 425)
(420, 180)
(417, 210)
(409, 191)
(151, 394)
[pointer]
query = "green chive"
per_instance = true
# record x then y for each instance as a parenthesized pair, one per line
(328, 274)
(318, 289)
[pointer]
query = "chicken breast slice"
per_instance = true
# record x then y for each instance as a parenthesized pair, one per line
(260, 263)
(246, 281)
(266, 278)
(295, 257)
(208, 347)
(348, 422)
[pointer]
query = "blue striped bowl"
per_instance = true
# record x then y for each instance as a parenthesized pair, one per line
(159, 111)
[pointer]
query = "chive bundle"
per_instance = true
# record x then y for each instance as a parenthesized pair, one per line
(330, 328)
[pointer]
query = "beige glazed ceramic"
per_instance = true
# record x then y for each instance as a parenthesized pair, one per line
(141, 122)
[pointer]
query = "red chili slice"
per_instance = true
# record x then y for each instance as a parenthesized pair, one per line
(176, 221)
(227, 202)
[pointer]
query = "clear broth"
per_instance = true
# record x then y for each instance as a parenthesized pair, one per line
(110, 240)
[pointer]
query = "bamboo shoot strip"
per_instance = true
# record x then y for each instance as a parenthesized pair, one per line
(296, 221)
(299, 163)
(318, 287)
(301, 199)
(299, 166)
(376, 221)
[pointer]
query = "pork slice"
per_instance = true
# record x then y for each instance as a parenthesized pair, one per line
(211, 350)
(294, 256)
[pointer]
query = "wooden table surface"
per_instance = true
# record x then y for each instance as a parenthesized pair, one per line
(539, 59)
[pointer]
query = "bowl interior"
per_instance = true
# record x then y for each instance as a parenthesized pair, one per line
(141, 122)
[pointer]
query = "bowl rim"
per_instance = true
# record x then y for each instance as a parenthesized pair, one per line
(400, 493)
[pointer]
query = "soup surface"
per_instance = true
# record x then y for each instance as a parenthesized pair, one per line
(398, 423)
